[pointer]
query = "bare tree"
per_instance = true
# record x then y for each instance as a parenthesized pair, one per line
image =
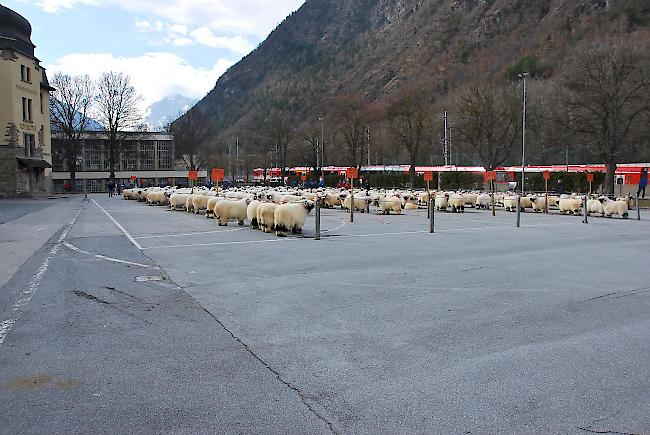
(280, 132)
(117, 111)
(353, 115)
(608, 101)
(312, 138)
(189, 139)
(408, 114)
(70, 108)
(489, 122)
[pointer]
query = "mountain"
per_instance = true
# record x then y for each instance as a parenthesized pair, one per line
(377, 47)
(168, 109)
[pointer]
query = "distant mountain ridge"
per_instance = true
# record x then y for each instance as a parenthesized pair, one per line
(331, 47)
(167, 110)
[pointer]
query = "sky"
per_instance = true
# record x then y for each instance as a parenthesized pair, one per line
(167, 47)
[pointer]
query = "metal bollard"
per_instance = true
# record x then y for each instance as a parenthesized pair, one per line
(431, 216)
(518, 210)
(638, 207)
(317, 216)
(585, 213)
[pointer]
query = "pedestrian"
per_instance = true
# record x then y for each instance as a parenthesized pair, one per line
(209, 184)
(559, 188)
(643, 183)
(111, 188)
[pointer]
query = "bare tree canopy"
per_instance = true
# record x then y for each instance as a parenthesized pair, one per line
(608, 101)
(408, 115)
(280, 132)
(189, 138)
(489, 122)
(353, 115)
(117, 111)
(70, 107)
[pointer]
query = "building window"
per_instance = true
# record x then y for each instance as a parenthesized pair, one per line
(130, 156)
(25, 74)
(58, 156)
(164, 155)
(147, 155)
(27, 109)
(93, 156)
(30, 145)
(42, 105)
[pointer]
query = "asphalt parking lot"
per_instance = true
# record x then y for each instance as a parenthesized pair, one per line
(151, 320)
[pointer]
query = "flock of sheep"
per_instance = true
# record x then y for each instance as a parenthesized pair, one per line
(285, 210)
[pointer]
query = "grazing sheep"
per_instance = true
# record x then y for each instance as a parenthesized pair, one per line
(483, 201)
(390, 203)
(618, 207)
(200, 203)
(291, 217)
(595, 206)
(423, 198)
(457, 203)
(177, 200)
(266, 216)
(212, 201)
(470, 199)
(538, 203)
(571, 205)
(331, 201)
(441, 201)
(251, 213)
(188, 203)
(229, 209)
(525, 202)
(360, 203)
(510, 203)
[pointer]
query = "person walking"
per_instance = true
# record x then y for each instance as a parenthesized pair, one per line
(111, 188)
(643, 182)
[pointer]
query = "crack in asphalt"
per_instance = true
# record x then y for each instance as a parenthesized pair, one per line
(304, 398)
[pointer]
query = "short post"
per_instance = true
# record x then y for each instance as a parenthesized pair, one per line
(352, 200)
(429, 200)
(586, 210)
(638, 207)
(431, 215)
(546, 196)
(494, 208)
(317, 216)
(518, 210)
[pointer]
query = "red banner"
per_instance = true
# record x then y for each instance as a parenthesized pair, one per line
(133, 178)
(489, 175)
(590, 178)
(193, 175)
(428, 176)
(352, 173)
(547, 175)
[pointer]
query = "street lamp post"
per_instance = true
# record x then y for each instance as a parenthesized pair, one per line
(523, 137)
(322, 144)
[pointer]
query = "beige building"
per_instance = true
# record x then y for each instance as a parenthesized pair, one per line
(25, 146)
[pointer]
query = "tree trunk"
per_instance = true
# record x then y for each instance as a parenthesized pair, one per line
(412, 174)
(609, 177)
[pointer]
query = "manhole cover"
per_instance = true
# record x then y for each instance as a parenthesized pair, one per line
(147, 278)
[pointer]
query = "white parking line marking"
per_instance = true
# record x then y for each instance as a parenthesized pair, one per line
(198, 233)
(126, 233)
(246, 242)
(105, 258)
(27, 294)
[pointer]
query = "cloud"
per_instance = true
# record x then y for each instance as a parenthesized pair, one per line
(237, 44)
(234, 17)
(154, 75)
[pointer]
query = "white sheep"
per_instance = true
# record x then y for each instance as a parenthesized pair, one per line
(570, 205)
(441, 201)
(483, 201)
(291, 217)
(266, 216)
(470, 199)
(618, 207)
(538, 203)
(510, 202)
(390, 203)
(200, 203)
(360, 203)
(595, 206)
(177, 200)
(209, 208)
(457, 203)
(228, 209)
(251, 213)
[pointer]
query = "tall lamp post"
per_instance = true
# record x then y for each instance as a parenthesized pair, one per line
(523, 137)
(322, 144)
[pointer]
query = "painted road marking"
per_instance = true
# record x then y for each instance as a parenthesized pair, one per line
(33, 284)
(105, 258)
(126, 233)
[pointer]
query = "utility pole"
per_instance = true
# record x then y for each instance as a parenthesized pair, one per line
(446, 149)
(322, 141)
(237, 156)
(368, 145)
(523, 137)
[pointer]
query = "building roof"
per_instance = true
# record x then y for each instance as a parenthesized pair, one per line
(15, 32)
